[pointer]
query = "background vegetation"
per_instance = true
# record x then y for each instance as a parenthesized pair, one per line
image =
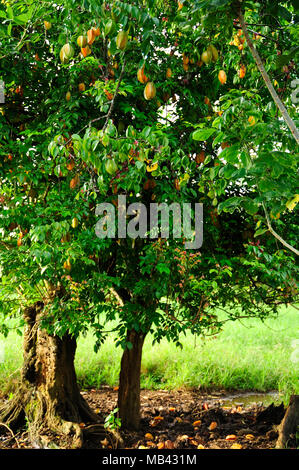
(249, 356)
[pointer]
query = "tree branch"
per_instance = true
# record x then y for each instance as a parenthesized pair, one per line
(115, 95)
(290, 123)
(271, 230)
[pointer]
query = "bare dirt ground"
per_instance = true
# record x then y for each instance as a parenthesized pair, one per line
(183, 419)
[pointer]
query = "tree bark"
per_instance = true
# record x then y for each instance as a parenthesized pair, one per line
(48, 397)
(129, 382)
(290, 424)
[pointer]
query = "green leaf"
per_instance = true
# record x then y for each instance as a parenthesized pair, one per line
(250, 206)
(203, 134)
(10, 13)
(230, 204)
(286, 58)
(218, 139)
(260, 231)
(24, 18)
(230, 154)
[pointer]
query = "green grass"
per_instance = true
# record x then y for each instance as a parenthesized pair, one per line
(247, 356)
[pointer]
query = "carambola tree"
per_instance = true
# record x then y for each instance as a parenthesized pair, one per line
(154, 105)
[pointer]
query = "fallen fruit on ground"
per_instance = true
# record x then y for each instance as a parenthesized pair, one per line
(213, 425)
(197, 423)
(231, 437)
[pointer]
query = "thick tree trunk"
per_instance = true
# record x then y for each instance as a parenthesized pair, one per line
(48, 396)
(290, 424)
(129, 382)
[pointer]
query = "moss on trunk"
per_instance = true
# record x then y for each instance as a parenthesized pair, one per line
(48, 397)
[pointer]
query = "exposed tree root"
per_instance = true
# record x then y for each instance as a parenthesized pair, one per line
(11, 432)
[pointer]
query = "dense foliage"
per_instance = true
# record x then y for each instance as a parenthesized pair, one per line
(160, 102)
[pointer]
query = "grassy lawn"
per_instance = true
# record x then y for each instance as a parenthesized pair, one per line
(249, 356)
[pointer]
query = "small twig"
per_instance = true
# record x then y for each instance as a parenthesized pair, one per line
(279, 238)
(85, 127)
(262, 24)
(107, 116)
(7, 245)
(115, 95)
(255, 32)
(11, 432)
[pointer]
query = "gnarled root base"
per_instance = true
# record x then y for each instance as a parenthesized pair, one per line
(46, 426)
(47, 429)
(48, 398)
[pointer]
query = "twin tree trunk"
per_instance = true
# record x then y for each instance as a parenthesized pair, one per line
(48, 396)
(129, 381)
